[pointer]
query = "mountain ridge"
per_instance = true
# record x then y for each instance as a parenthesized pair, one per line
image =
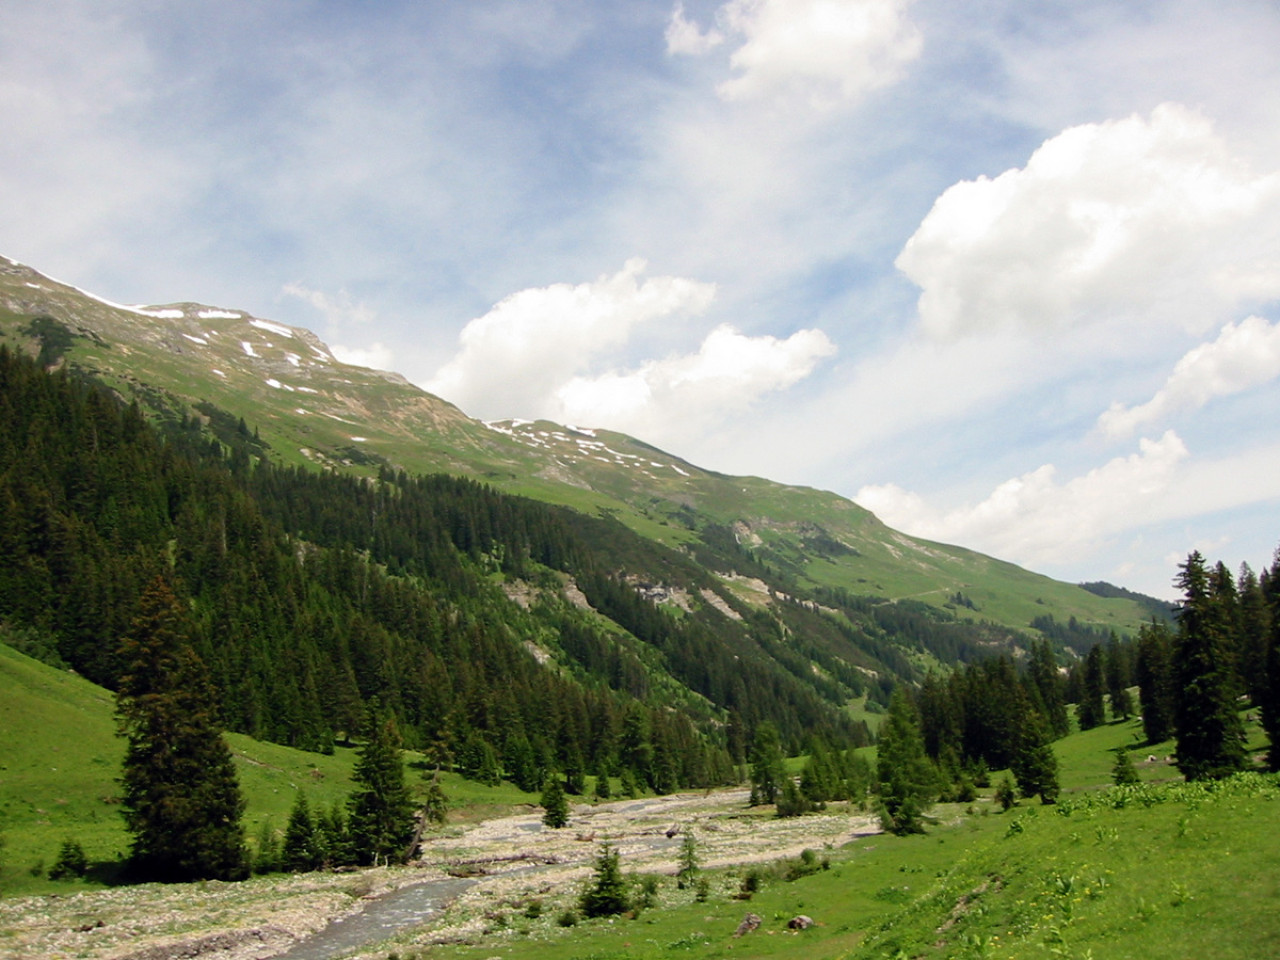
(308, 408)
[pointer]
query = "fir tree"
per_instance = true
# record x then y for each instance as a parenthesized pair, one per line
(1123, 772)
(767, 771)
(435, 805)
(1155, 681)
(1091, 711)
(1210, 734)
(181, 800)
(908, 780)
(689, 862)
(555, 804)
(300, 852)
(1034, 764)
(380, 811)
(607, 894)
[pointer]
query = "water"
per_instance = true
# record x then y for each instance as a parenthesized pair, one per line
(381, 918)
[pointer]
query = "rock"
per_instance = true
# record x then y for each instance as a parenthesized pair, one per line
(750, 922)
(800, 923)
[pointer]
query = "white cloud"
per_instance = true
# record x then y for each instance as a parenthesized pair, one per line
(516, 356)
(1150, 220)
(1243, 356)
(1034, 519)
(375, 356)
(339, 310)
(684, 36)
(668, 398)
(823, 48)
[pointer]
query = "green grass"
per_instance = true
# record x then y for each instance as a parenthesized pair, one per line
(61, 760)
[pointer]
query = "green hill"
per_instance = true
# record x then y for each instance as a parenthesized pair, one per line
(226, 368)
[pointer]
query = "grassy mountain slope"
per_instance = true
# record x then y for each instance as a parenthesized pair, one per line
(306, 407)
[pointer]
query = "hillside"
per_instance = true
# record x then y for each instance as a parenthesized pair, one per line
(304, 407)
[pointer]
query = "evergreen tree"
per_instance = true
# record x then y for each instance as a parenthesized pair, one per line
(555, 804)
(181, 800)
(1255, 631)
(1048, 682)
(607, 894)
(1270, 692)
(266, 857)
(1123, 772)
(908, 781)
(435, 805)
(300, 853)
(689, 862)
(1206, 722)
(380, 811)
(1034, 764)
(1091, 711)
(1155, 681)
(1116, 671)
(767, 771)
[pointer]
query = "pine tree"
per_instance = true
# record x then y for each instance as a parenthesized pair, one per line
(907, 778)
(1034, 764)
(380, 811)
(1116, 671)
(767, 772)
(300, 852)
(1091, 711)
(1044, 675)
(689, 862)
(181, 800)
(607, 894)
(1123, 772)
(1210, 734)
(1155, 681)
(555, 804)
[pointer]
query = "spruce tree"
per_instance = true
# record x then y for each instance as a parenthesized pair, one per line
(1091, 711)
(1123, 772)
(607, 894)
(767, 771)
(180, 798)
(1155, 681)
(380, 811)
(555, 804)
(1206, 722)
(1034, 763)
(907, 778)
(300, 852)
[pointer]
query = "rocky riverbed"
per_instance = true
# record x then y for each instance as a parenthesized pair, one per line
(514, 860)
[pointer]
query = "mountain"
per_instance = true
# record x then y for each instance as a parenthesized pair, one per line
(305, 407)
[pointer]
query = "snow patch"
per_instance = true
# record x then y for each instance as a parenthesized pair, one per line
(274, 384)
(166, 314)
(248, 348)
(307, 390)
(294, 359)
(220, 373)
(33, 286)
(360, 439)
(679, 471)
(200, 340)
(273, 327)
(218, 315)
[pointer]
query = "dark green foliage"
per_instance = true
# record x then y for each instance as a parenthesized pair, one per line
(1269, 694)
(302, 848)
(1117, 670)
(71, 863)
(180, 798)
(1005, 795)
(690, 864)
(435, 804)
(1091, 711)
(555, 804)
(380, 811)
(767, 772)
(1123, 772)
(908, 780)
(1034, 764)
(607, 893)
(792, 801)
(1153, 671)
(1206, 722)
(266, 854)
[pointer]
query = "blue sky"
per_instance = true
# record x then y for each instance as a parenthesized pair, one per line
(1007, 273)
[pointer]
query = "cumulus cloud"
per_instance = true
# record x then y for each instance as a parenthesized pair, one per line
(1149, 220)
(1035, 519)
(522, 351)
(683, 36)
(727, 373)
(827, 48)
(1243, 356)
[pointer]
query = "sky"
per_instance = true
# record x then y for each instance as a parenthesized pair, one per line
(1005, 272)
